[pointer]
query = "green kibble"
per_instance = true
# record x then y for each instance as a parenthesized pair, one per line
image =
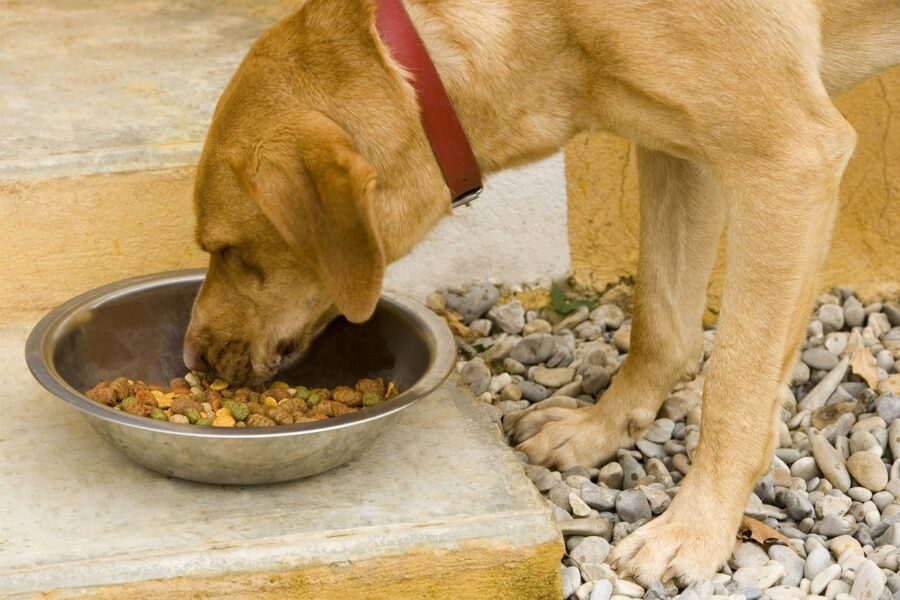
(239, 410)
(204, 421)
(128, 402)
(372, 399)
(158, 414)
(193, 415)
(313, 399)
(302, 393)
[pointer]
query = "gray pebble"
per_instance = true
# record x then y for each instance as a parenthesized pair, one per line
(829, 461)
(477, 300)
(831, 316)
(535, 348)
(590, 554)
(509, 317)
(819, 395)
(805, 468)
(748, 554)
(500, 351)
(578, 316)
(660, 431)
(868, 470)
(632, 471)
(762, 577)
(476, 375)
(533, 391)
(562, 358)
(589, 526)
(869, 582)
(834, 526)
(833, 505)
(816, 561)
(657, 470)
(553, 378)
(892, 312)
(571, 579)
(632, 505)
(511, 391)
(589, 331)
(481, 328)
(888, 407)
(825, 576)
(894, 438)
(512, 366)
(584, 591)
(612, 475)
(860, 494)
(854, 313)
(602, 590)
(659, 500)
(559, 495)
(597, 497)
(792, 563)
(819, 358)
(891, 536)
(650, 449)
(797, 505)
(836, 342)
(788, 455)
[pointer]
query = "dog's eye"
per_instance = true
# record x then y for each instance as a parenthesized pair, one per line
(232, 255)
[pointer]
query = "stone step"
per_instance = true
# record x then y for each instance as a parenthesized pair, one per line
(438, 507)
(106, 106)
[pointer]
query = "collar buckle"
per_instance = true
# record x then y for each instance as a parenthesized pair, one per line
(466, 197)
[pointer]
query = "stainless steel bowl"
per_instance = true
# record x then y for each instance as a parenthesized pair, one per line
(135, 328)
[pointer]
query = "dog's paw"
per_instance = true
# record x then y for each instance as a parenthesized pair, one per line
(562, 438)
(674, 546)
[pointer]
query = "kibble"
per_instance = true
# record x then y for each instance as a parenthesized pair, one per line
(194, 399)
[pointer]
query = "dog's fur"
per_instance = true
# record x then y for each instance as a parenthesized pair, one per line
(316, 174)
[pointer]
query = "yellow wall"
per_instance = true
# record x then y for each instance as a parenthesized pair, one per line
(865, 250)
(65, 236)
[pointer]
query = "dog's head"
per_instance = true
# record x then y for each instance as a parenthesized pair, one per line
(291, 209)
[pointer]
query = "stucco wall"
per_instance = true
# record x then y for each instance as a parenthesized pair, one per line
(515, 232)
(865, 250)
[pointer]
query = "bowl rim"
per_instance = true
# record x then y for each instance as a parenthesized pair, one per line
(39, 346)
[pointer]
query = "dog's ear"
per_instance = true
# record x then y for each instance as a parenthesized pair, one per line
(318, 192)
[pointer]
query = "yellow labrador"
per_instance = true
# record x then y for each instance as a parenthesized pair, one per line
(316, 174)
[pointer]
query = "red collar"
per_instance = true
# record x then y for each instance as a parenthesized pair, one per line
(445, 134)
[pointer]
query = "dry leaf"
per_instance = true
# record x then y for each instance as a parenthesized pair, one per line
(854, 343)
(891, 384)
(457, 325)
(757, 531)
(863, 364)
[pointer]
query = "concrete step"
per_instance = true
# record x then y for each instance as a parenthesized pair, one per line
(438, 507)
(105, 109)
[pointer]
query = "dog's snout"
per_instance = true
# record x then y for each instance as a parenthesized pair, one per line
(193, 356)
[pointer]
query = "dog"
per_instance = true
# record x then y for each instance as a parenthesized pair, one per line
(316, 174)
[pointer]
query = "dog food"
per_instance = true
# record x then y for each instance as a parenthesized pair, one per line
(195, 400)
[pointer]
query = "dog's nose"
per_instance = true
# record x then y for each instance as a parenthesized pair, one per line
(193, 356)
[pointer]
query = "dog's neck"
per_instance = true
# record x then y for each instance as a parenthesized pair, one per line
(508, 73)
(511, 77)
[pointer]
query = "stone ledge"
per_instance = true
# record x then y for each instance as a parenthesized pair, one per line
(439, 495)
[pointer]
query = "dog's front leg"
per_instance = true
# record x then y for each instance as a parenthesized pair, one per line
(682, 213)
(781, 207)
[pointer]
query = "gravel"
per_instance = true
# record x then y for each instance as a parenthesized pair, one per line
(832, 488)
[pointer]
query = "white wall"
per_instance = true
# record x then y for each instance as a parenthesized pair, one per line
(515, 232)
